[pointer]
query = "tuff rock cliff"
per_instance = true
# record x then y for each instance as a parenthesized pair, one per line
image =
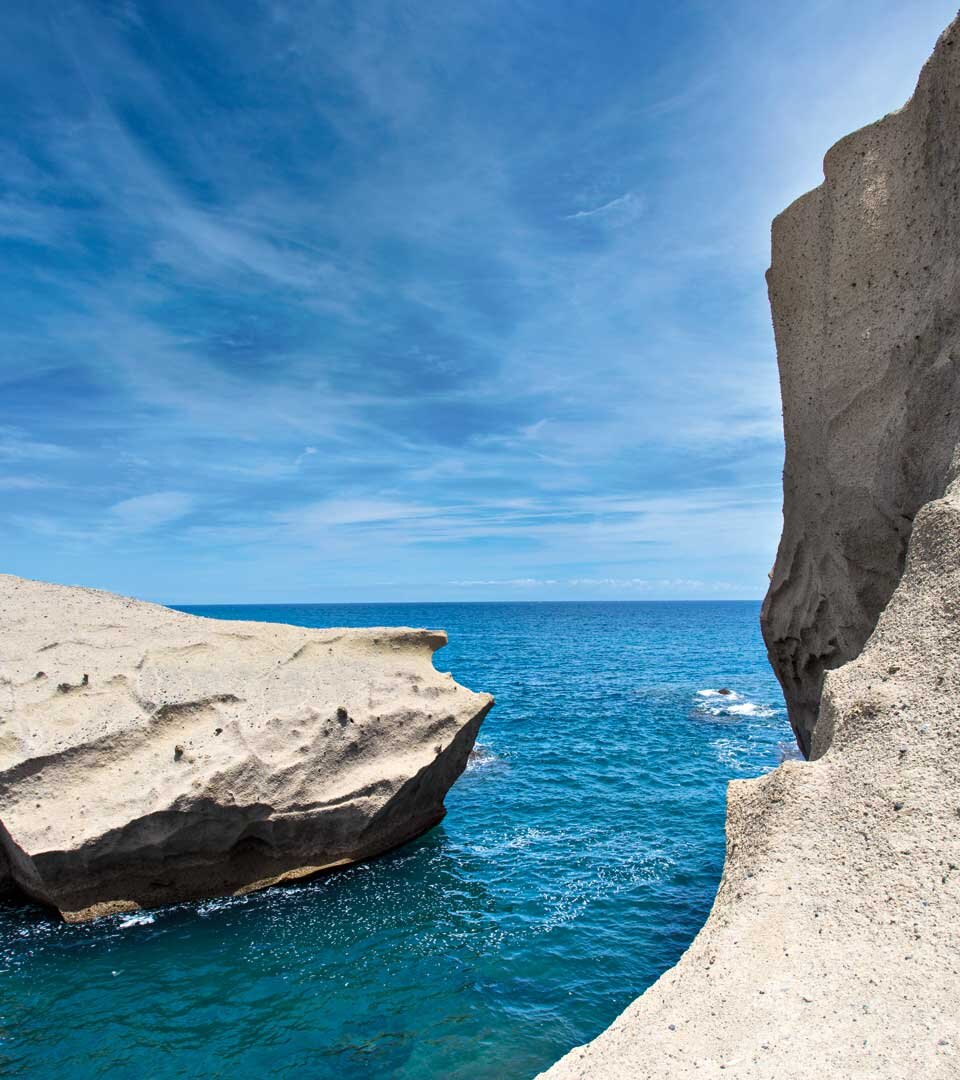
(148, 756)
(833, 946)
(865, 293)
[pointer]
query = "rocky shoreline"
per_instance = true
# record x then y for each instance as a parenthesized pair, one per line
(147, 756)
(832, 949)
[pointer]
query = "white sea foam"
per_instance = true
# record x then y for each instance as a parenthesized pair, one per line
(136, 920)
(220, 903)
(750, 708)
(526, 837)
(481, 757)
(520, 838)
(728, 752)
(733, 705)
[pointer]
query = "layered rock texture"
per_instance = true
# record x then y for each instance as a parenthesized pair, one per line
(148, 756)
(833, 947)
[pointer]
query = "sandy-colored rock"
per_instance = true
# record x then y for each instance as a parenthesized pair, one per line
(833, 946)
(149, 756)
(865, 293)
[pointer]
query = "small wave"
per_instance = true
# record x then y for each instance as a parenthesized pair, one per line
(728, 703)
(521, 838)
(730, 753)
(526, 837)
(482, 757)
(219, 903)
(136, 920)
(635, 868)
(750, 708)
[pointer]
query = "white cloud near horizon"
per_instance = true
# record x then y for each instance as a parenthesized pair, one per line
(145, 512)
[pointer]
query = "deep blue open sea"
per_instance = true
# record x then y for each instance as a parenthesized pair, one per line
(580, 855)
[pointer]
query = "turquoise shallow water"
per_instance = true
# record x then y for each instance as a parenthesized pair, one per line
(579, 857)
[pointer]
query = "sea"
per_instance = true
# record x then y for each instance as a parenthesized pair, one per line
(580, 855)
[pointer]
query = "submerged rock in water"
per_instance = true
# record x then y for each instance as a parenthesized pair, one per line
(149, 756)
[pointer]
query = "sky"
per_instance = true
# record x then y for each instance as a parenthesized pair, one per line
(324, 300)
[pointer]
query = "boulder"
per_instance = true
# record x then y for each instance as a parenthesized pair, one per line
(149, 756)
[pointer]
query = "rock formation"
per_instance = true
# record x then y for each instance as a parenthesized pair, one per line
(865, 292)
(832, 949)
(148, 756)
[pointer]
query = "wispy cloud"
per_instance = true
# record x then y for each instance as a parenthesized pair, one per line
(16, 445)
(25, 483)
(621, 204)
(320, 305)
(144, 512)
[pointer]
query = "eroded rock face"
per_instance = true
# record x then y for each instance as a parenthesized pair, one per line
(148, 756)
(832, 949)
(865, 292)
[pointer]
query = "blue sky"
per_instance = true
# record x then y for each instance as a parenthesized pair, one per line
(317, 301)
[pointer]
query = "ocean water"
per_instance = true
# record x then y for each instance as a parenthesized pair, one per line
(579, 857)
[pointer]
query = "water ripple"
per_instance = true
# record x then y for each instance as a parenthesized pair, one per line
(580, 855)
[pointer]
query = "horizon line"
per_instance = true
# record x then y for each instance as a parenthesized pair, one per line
(401, 603)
